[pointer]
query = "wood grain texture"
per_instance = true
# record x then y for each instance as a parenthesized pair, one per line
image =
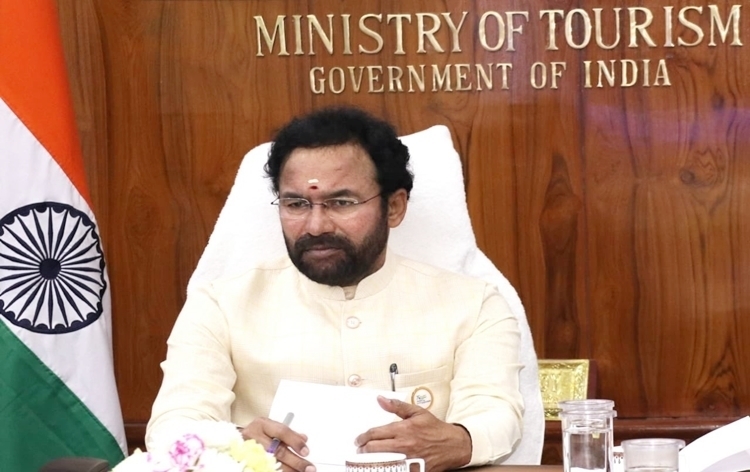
(617, 212)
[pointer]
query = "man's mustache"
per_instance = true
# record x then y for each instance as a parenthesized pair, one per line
(324, 241)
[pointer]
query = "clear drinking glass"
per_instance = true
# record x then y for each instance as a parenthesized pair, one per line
(652, 454)
(587, 430)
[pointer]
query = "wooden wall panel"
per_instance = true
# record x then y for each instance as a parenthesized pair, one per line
(659, 179)
(617, 211)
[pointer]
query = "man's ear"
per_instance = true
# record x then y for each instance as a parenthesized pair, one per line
(397, 203)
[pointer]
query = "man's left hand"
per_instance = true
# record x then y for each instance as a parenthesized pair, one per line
(442, 445)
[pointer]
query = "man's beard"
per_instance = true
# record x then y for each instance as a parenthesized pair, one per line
(349, 265)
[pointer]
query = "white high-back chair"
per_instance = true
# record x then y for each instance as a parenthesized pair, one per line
(436, 230)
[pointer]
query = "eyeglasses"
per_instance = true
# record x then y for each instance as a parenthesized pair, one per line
(340, 208)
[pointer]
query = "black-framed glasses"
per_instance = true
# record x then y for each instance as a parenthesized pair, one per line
(294, 208)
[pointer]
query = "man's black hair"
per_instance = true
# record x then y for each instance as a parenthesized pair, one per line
(345, 125)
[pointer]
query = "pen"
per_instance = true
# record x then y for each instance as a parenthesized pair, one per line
(394, 371)
(276, 441)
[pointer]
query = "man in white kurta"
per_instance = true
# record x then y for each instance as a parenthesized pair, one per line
(237, 338)
(341, 309)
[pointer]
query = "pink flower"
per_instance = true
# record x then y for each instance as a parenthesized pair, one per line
(217, 448)
(186, 451)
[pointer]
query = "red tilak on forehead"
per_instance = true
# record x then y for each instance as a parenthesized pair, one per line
(312, 182)
(313, 187)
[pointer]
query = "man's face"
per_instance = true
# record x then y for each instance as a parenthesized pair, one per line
(335, 251)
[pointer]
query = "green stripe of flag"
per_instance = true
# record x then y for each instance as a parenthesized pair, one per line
(40, 417)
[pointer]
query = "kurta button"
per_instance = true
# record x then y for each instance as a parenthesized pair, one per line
(355, 380)
(353, 322)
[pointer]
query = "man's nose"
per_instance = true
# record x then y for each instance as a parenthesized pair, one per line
(318, 221)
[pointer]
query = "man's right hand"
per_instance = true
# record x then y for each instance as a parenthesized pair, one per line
(264, 431)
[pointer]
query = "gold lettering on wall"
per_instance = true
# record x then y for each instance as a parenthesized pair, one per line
(399, 31)
(683, 18)
(514, 29)
(429, 34)
(551, 16)
(734, 17)
(598, 28)
(412, 79)
(625, 73)
(260, 26)
(496, 32)
(373, 74)
(326, 38)
(441, 80)
(417, 77)
(347, 35)
(499, 23)
(640, 28)
(394, 79)
(371, 33)
(668, 42)
(298, 51)
(455, 30)
(585, 28)
(540, 73)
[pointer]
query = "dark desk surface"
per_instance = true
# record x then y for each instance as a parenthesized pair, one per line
(518, 468)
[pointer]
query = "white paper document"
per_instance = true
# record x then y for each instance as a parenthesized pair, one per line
(331, 417)
(723, 450)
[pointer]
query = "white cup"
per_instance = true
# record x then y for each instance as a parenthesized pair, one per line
(652, 454)
(381, 462)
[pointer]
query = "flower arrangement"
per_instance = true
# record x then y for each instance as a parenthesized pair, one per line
(207, 446)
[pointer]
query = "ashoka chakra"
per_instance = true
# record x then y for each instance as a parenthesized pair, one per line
(51, 268)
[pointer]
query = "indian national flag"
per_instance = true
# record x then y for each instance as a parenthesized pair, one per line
(57, 386)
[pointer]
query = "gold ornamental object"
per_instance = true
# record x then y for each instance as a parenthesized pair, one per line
(563, 379)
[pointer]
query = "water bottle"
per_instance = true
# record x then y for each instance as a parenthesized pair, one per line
(587, 431)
